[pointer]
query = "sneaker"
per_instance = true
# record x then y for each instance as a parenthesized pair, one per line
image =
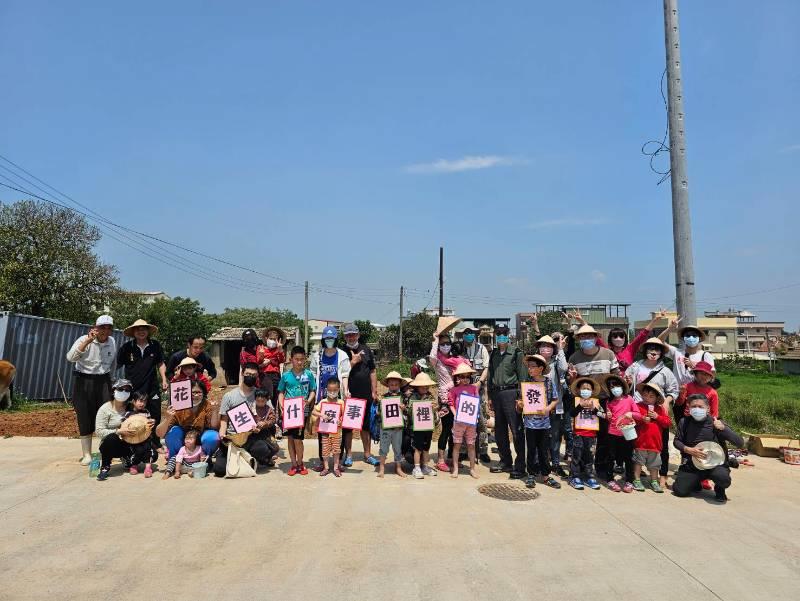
(372, 460)
(302, 470)
(530, 482)
(516, 475)
(499, 469)
(593, 484)
(319, 467)
(417, 473)
(639, 487)
(627, 487)
(292, 471)
(613, 486)
(576, 483)
(148, 471)
(133, 471)
(427, 471)
(348, 462)
(551, 482)
(719, 495)
(442, 467)
(654, 485)
(103, 473)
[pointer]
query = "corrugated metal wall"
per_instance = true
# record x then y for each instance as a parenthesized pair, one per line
(38, 348)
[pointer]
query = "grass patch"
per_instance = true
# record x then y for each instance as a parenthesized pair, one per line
(404, 367)
(22, 404)
(761, 402)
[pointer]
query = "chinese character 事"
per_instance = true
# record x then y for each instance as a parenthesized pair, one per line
(424, 414)
(353, 411)
(392, 409)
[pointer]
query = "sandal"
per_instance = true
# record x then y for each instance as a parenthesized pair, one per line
(325, 472)
(551, 482)
(614, 487)
(337, 472)
(442, 467)
(627, 487)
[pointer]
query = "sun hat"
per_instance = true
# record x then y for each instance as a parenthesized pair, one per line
(422, 379)
(463, 370)
(540, 359)
(140, 323)
(406, 381)
(350, 328)
(654, 387)
(187, 362)
(684, 329)
(585, 329)
(281, 334)
(121, 383)
(422, 363)
(626, 389)
(714, 455)
(392, 375)
(329, 332)
(704, 367)
(655, 341)
(104, 320)
(575, 386)
(445, 324)
(547, 340)
(136, 428)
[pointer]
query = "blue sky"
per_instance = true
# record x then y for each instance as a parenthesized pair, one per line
(509, 133)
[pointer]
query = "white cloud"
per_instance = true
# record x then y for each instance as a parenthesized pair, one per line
(467, 163)
(791, 148)
(539, 225)
(598, 276)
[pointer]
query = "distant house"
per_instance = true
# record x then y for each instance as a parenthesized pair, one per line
(225, 345)
(150, 297)
(603, 317)
(315, 327)
(485, 327)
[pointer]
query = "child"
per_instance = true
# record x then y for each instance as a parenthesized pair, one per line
(191, 452)
(587, 413)
(144, 452)
(331, 443)
(187, 370)
(620, 406)
(463, 433)
(297, 382)
(649, 440)
(421, 441)
(537, 427)
(703, 376)
(264, 413)
(444, 363)
(273, 357)
(392, 436)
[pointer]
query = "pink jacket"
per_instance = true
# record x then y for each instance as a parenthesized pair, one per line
(626, 356)
(619, 407)
(444, 366)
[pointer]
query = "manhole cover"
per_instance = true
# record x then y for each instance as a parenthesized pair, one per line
(507, 492)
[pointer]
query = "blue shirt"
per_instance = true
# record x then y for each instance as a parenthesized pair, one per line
(328, 368)
(542, 422)
(297, 386)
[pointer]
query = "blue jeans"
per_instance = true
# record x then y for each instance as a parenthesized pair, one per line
(560, 425)
(209, 440)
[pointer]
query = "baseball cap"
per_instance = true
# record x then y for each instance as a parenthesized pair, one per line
(104, 320)
(329, 332)
(351, 328)
(122, 383)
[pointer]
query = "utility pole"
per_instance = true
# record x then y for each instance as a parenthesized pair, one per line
(441, 281)
(305, 341)
(681, 221)
(400, 335)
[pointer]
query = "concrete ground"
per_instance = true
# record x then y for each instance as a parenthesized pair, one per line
(65, 536)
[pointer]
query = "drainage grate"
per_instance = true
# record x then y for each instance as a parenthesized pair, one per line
(508, 492)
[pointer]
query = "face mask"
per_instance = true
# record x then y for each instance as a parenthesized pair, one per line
(272, 343)
(121, 395)
(469, 338)
(587, 345)
(546, 352)
(586, 394)
(352, 345)
(501, 339)
(616, 391)
(691, 341)
(333, 395)
(329, 342)
(249, 381)
(445, 348)
(699, 413)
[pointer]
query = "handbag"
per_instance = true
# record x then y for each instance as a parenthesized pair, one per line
(240, 463)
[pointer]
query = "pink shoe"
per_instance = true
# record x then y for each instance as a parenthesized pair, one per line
(613, 486)
(133, 471)
(627, 487)
(442, 467)
(148, 471)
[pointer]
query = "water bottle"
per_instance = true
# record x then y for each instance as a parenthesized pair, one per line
(94, 466)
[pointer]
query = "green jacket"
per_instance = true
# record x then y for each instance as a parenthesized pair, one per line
(507, 369)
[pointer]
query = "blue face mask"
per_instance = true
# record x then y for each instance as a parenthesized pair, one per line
(691, 341)
(587, 345)
(500, 339)
(469, 338)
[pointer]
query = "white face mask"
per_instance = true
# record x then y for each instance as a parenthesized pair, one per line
(121, 395)
(546, 351)
(352, 345)
(272, 343)
(333, 395)
(586, 394)
(616, 391)
(445, 348)
(329, 342)
(698, 413)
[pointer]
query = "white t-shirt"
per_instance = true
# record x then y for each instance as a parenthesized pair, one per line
(682, 373)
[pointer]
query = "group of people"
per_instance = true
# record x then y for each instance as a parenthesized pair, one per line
(610, 402)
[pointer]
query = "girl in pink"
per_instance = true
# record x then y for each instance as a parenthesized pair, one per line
(620, 406)
(191, 452)
(463, 433)
(444, 365)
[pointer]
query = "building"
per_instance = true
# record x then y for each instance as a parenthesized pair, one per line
(435, 312)
(315, 327)
(226, 344)
(151, 297)
(720, 333)
(752, 336)
(485, 326)
(603, 317)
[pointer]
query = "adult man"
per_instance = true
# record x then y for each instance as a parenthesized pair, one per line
(479, 359)
(362, 384)
(244, 393)
(95, 359)
(140, 357)
(506, 370)
(195, 346)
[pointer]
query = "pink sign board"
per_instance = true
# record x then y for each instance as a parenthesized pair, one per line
(330, 413)
(422, 416)
(180, 394)
(391, 412)
(586, 420)
(241, 418)
(293, 416)
(354, 411)
(534, 398)
(468, 409)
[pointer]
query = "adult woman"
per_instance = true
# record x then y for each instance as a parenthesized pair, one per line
(651, 370)
(701, 427)
(443, 363)
(560, 420)
(108, 426)
(203, 416)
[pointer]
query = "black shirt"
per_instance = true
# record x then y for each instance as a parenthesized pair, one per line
(690, 432)
(360, 382)
(204, 360)
(140, 366)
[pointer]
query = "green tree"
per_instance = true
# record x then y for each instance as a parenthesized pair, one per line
(417, 336)
(368, 333)
(47, 264)
(256, 318)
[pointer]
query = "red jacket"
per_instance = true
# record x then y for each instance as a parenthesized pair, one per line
(695, 388)
(648, 435)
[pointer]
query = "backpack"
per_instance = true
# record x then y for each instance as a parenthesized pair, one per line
(374, 423)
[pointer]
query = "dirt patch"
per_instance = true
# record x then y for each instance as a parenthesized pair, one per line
(47, 422)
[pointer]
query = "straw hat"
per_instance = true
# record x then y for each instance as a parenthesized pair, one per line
(422, 379)
(188, 361)
(238, 438)
(715, 455)
(548, 340)
(585, 329)
(138, 324)
(656, 341)
(625, 388)
(682, 332)
(276, 329)
(406, 381)
(463, 370)
(392, 375)
(654, 387)
(136, 429)
(540, 359)
(446, 324)
(574, 387)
